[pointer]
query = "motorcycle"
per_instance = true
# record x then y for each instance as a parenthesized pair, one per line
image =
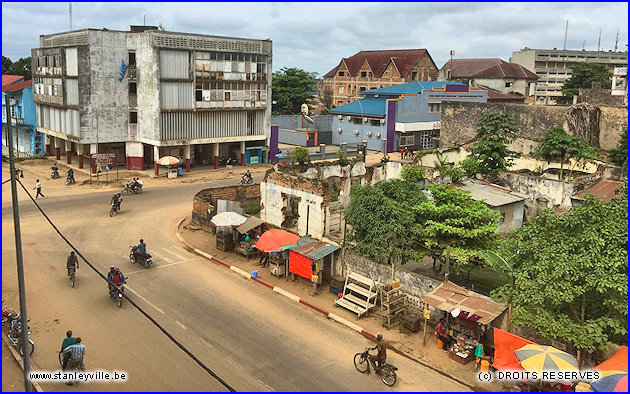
(245, 180)
(134, 256)
(69, 180)
(114, 209)
(116, 292)
(8, 315)
(131, 189)
(55, 174)
(15, 336)
(387, 371)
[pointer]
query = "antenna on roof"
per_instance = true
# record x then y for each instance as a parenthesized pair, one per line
(583, 44)
(617, 40)
(70, 14)
(566, 31)
(599, 41)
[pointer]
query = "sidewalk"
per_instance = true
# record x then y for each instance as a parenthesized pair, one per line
(406, 344)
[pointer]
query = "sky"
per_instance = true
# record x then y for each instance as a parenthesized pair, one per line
(315, 36)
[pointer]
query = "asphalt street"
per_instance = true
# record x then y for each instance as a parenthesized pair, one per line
(253, 338)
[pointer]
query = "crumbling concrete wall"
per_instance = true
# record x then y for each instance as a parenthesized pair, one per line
(148, 86)
(598, 96)
(204, 201)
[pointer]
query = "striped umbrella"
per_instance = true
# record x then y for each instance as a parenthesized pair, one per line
(611, 381)
(538, 358)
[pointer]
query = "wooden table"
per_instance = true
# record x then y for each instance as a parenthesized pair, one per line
(251, 253)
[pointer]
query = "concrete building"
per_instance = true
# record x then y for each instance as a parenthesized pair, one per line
(368, 70)
(26, 140)
(196, 97)
(553, 66)
(510, 204)
(406, 115)
(493, 73)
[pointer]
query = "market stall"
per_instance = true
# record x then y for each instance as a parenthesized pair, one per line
(275, 242)
(307, 260)
(466, 317)
(225, 223)
(249, 232)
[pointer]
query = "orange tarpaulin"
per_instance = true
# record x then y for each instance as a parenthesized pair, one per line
(300, 265)
(618, 362)
(505, 344)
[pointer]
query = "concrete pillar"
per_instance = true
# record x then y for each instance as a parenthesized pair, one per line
(322, 151)
(156, 157)
(216, 155)
(242, 153)
(47, 145)
(344, 147)
(187, 155)
(80, 154)
(383, 145)
(57, 148)
(68, 152)
(134, 155)
(93, 150)
(273, 144)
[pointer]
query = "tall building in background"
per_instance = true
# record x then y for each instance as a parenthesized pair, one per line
(146, 93)
(553, 66)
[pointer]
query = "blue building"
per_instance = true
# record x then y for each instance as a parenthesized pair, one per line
(394, 117)
(26, 138)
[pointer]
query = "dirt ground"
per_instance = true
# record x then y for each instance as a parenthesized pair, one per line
(407, 343)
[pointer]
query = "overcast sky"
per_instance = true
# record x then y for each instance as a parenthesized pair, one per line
(316, 36)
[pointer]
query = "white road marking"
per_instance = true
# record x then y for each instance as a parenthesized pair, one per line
(206, 343)
(164, 265)
(144, 299)
(162, 257)
(234, 363)
(177, 256)
(180, 324)
(269, 388)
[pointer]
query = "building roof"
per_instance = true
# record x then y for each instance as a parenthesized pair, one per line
(604, 190)
(16, 86)
(414, 87)
(493, 195)
(251, 223)
(315, 250)
(365, 106)
(487, 68)
(473, 306)
(7, 79)
(403, 59)
(494, 95)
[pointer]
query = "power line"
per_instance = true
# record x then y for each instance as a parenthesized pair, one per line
(151, 319)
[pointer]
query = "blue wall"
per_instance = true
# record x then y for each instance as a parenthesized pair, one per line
(29, 140)
(347, 134)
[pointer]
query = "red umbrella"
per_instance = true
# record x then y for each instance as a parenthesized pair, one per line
(168, 161)
(273, 240)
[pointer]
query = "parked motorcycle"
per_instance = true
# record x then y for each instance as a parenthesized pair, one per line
(224, 161)
(8, 315)
(15, 336)
(134, 257)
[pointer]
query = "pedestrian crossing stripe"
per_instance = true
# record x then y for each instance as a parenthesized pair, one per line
(177, 255)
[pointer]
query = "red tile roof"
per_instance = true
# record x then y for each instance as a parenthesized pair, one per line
(604, 190)
(14, 87)
(7, 79)
(378, 61)
(488, 68)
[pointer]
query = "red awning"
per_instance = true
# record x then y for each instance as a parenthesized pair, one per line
(273, 240)
(505, 344)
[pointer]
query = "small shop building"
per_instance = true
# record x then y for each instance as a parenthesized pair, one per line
(313, 260)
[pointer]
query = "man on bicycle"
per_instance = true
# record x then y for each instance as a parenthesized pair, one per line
(380, 358)
(72, 262)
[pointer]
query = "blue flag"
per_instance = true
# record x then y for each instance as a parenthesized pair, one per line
(123, 70)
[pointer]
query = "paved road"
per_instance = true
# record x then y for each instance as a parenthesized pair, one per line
(254, 339)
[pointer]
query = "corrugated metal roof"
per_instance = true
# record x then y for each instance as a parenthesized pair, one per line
(415, 87)
(315, 250)
(368, 106)
(7, 79)
(251, 223)
(604, 190)
(14, 87)
(493, 195)
(449, 296)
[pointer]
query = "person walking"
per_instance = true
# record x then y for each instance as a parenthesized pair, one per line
(67, 341)
(77, 352)
(38, 186)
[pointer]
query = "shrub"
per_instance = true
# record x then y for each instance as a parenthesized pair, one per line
(300, 155)
(251, 209)
(412, 173)
(343, 160)
(470, 166)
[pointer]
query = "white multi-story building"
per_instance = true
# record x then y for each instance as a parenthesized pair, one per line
(196, 97)
(553, 66)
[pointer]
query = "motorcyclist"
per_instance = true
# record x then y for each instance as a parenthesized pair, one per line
(247, 177)
(72, 262)
(117, 200)
(136, 184)
(55, 171)
(141, 250)
(110, 274)
(71, 175)
(381, 346)
(117, 278)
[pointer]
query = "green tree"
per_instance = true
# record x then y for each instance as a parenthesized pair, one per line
(375, 211)
(300, 155)
(558, 145)
(494, 132)
(451, 220)
(343, 159)
(571, 273)
(412, 173)
(619, 155)
(582, 76)
(20, 67)
(470, 166)
(6, 65)
(291, 87)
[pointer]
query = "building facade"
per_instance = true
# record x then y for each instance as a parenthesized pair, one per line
(553, 66)
(146, 93)
(406, 115)
(493, 73)
(27, 141)
(369, 70)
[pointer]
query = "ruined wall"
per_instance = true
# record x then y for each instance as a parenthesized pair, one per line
(598, 96)
(459, 121)
(203, 210)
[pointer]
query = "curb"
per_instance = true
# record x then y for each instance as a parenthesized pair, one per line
(329, 315)
(18, 358)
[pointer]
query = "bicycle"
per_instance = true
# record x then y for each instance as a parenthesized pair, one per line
(387, 371)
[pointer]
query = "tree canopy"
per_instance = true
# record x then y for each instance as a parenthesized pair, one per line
(619, 155)
(300, 155)
(291, 87)
(20, 67)
(494, 132)
(558, 145)
(570, 273)
(582, 76)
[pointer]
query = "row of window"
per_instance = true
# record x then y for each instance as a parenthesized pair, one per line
(230, 76)
(239, 57)
(48, 61)
(372, 122)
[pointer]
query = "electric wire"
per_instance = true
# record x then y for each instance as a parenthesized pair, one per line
(142, 311)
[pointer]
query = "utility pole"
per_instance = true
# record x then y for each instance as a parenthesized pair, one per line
(70, 14)
(18, 250)
(599, 41)
(617, 40)
(566, 31)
